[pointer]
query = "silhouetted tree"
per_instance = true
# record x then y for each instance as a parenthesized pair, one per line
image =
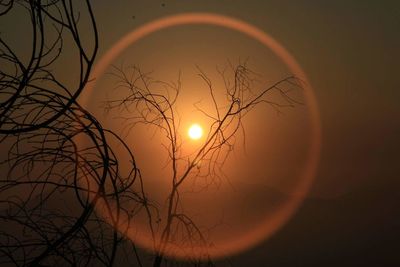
(59, 164)
(153, 103)
(52, 148)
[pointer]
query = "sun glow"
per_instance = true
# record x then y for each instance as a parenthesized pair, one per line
(195, 131)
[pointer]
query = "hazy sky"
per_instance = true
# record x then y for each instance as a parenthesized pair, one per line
(350, 52)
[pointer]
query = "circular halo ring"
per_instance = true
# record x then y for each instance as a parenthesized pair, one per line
(269, 226)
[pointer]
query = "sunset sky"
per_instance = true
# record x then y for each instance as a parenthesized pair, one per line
(349, 51)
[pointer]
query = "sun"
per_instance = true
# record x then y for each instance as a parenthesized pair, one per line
(195, 131)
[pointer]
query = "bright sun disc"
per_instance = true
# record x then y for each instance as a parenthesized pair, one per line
(195, 132)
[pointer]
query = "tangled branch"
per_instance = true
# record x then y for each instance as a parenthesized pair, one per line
(153, 103)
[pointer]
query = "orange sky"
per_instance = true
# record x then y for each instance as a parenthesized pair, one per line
(349, 50)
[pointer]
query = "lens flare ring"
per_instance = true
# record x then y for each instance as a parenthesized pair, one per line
(267, 227)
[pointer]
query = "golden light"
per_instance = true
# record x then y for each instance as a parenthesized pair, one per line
(244, 236)
(195, 131)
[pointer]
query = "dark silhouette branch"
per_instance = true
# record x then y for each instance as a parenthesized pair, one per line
(59, 162)
(150, 102)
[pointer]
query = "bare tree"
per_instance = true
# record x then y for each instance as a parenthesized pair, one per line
(61, 165)
(154, 105)
(54, 148)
